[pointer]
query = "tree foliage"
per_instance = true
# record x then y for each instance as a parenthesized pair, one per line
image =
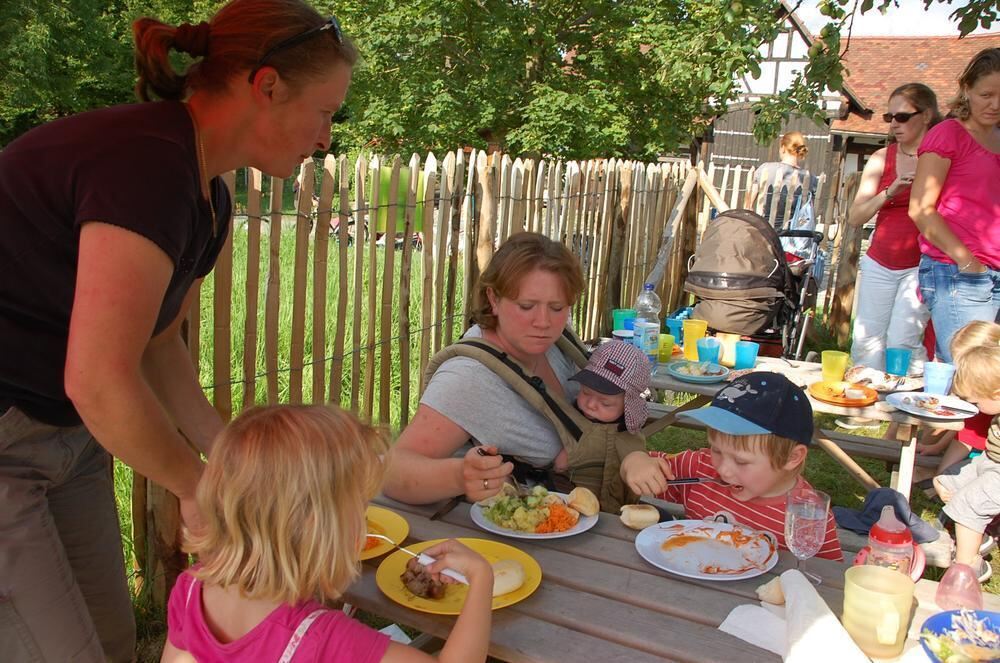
(572, 78)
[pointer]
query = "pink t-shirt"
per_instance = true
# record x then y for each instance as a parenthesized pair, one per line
(970, 196)
(332, 638)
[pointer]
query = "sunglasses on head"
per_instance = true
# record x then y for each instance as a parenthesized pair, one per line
(902, 118)
(331, 25)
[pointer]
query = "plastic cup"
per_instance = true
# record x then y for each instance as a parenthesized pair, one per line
(708, 349)
(834, 365)
(897, 361)
(937, 377)
(959, 588)
(675, 327)
(746, 354)
(877, 607)
(624, 335)
(693, 330)
(666, 348)
(619, 315)
(727, 356)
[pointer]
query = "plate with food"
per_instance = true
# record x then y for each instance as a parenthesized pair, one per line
(702, 372)
(387, 523)
(707, 550)
(516, 575)
(881, 381)
(538, 515)
(962, 635)
(934, 406)
(846, 394)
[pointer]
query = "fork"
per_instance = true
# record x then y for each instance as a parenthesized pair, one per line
(426, 560)
(522, 489)
(681, 482)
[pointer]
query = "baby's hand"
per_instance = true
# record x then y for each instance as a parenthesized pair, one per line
(645, 474)
(451, 554)
(561, 462)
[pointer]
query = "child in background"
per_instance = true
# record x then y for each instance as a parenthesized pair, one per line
(759, 430)
(972, 493)
(284, 497)
(973, 437)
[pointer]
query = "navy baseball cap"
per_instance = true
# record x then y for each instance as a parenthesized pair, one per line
(759, 403)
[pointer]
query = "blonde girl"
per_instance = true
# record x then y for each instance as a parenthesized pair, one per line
(283, 499)
(779, 179)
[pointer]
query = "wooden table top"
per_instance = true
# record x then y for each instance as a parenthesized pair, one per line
(804, 373)
(600, 601)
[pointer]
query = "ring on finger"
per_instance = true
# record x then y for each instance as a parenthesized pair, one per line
(486, 484)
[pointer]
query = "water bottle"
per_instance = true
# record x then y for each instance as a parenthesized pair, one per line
(647, 305)
(647, 323)
(890, 543)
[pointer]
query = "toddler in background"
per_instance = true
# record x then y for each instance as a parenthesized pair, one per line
(759, 429)
(971, 490)
(283, 499)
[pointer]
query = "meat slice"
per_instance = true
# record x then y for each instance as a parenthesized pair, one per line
(419, 581)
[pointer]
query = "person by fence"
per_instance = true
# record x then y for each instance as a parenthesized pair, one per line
(101, 264)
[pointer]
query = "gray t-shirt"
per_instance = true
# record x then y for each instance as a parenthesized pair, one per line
(790, 181)
(489, 410)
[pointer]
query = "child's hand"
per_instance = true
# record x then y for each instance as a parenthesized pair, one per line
(451, 554)
(942, 492)
(645, 474)
(561, 463)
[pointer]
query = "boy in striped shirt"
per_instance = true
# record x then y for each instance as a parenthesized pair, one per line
(759, 429)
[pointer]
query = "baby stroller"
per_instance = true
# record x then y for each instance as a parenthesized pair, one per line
(745, 285)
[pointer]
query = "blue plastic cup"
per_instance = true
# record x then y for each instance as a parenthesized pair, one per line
(676, 327)
(746, 354)
(708, 349)
(897, 361)
(937, 377)
(628, 323)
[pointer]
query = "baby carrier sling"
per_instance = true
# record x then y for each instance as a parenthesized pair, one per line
(594, 450)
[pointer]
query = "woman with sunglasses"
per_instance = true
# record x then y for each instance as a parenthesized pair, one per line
(108, 221)
(889, 311)
(955, 204)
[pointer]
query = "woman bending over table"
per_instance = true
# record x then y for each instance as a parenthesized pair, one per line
(956, 205)
(890, 313)
(108, 221)
(521, 304)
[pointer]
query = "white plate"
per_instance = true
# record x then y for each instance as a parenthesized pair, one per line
(911, 404)
(696, 550)
(582, 525)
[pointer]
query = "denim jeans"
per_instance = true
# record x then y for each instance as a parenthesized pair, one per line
(63, 591)
(956, 298)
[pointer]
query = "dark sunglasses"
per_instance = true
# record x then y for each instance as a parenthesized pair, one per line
(331, 25)
(902, 118)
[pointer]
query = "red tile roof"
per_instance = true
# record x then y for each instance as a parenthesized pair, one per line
(878, 65)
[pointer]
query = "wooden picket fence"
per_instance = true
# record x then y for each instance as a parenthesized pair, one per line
(627, 221)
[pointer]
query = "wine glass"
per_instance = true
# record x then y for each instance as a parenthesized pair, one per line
(805, 525)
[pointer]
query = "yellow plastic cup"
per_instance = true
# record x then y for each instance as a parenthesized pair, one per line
(834, 365)
(666, 348)
(878, 603)
(728, 354)
(693, 330)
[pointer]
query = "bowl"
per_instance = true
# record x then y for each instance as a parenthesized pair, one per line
(942, 622)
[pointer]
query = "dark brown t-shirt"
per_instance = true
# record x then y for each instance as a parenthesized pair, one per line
(132, 166)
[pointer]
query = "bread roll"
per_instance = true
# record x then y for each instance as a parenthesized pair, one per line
(508, 576)
(639, 516)
(771, 592)
(584, 501)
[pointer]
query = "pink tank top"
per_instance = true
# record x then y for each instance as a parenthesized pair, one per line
(894, 243)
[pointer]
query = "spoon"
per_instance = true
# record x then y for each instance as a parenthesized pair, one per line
(426, 560)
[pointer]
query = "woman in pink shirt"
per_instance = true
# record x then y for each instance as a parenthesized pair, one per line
(284, 498)
(955, 204)
(889, 311)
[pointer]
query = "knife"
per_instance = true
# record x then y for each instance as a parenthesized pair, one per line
(446, 507)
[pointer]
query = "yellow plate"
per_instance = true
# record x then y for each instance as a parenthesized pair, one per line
(389, 571)
(387, 523)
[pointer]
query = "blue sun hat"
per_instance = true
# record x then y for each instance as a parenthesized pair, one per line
(759, 403)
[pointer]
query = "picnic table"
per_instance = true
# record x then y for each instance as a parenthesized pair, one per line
(600, 601)
(839, 446)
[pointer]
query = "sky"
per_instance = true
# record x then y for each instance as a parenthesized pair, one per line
(909, 19)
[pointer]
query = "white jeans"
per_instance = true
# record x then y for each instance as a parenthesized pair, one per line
(889, 314)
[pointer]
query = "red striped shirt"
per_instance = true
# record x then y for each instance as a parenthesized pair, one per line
(707, 500)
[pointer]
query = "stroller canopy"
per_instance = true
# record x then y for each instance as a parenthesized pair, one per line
(740, 275)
